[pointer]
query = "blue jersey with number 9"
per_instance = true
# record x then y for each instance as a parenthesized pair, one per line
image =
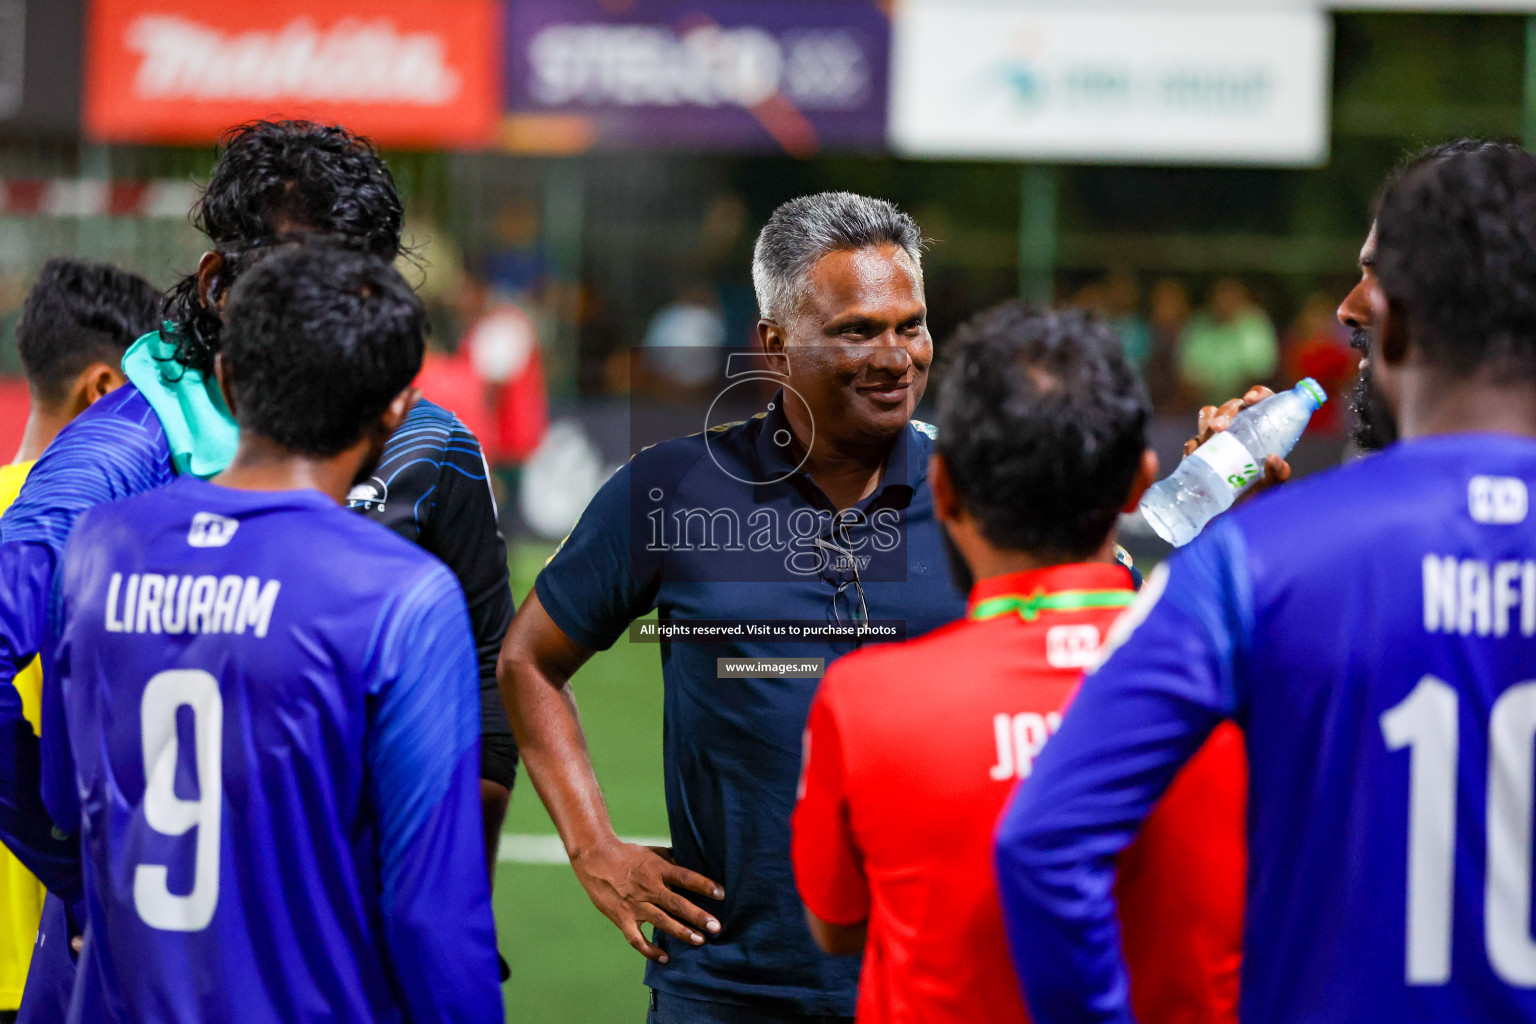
(1373, 630)
(273, 707)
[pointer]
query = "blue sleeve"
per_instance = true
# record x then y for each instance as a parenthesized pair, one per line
(598, 581)
(1170, 678)
(94, 460)
(26, 584)
(424, 780)
(60, 794)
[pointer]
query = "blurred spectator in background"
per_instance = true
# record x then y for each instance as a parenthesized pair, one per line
(1317, 346)
(501, 344)
(517, 266)
(1168, 312)
(1122, 310)
(682, 344)
(434, 267)
(1227, 347)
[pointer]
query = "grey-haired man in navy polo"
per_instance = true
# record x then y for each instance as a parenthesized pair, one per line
(814, 516)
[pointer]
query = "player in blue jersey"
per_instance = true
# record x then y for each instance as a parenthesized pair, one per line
(272, 181)
(275, 180)
(78, 319)
(273, 703)
(1373, 629)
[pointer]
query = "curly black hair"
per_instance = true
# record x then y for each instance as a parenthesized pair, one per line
(1464, 146)
(319, 341)
(1456, 254)
(274, 181)
(1042, 425)
(79, 313)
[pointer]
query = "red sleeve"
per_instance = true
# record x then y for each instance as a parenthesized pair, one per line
(829, 870)
(1181, 891)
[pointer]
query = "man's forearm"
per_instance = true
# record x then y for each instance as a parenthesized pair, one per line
(632, 885)
(549, 736)
(838, 939)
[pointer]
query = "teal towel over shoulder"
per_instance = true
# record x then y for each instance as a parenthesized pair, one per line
(198, 425)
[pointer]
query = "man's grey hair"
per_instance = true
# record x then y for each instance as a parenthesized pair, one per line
(803, 230)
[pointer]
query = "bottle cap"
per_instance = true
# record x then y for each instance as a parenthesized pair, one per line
(1311, 389)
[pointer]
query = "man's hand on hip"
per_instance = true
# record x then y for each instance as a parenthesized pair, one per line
(635, 885)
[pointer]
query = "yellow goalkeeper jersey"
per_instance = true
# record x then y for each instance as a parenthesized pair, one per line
(21, 895)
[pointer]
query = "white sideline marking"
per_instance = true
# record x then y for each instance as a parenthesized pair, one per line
(530, 849)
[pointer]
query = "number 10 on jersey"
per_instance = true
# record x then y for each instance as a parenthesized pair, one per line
(1426, 723)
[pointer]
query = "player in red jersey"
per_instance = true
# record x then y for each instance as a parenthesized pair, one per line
(913, 749)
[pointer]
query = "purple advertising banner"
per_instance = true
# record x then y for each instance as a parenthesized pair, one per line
(708, 74)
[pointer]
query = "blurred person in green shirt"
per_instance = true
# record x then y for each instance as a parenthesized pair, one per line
(1227, 346)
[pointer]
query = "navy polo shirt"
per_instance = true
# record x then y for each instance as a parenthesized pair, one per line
(723, 527)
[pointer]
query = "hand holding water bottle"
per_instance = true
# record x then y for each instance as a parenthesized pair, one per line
(1214, 419)
(1229, 462)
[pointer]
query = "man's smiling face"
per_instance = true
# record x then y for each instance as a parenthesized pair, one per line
(859, 346)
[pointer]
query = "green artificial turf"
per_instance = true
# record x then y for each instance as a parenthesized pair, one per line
(569, 964)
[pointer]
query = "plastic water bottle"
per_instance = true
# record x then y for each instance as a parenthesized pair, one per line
(1211, 479)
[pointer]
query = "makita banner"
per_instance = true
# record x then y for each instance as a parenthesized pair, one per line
(405, 72)
(714, 74)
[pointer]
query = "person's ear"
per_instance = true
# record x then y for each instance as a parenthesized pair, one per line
(1392, 334)
(97, 381)
(1146, 476)
(209, 292)
(770, 336)
(946, 500)
(221, 374)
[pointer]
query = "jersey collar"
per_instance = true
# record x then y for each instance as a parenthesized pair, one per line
(1077, 586)
(238, 499)
(906, 467)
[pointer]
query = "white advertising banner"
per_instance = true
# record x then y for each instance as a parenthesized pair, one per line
(1464, 6)
(1110, 84)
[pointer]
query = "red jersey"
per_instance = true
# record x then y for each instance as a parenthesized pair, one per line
(911, 753)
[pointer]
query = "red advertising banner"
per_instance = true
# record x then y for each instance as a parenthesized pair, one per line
(404, 72)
